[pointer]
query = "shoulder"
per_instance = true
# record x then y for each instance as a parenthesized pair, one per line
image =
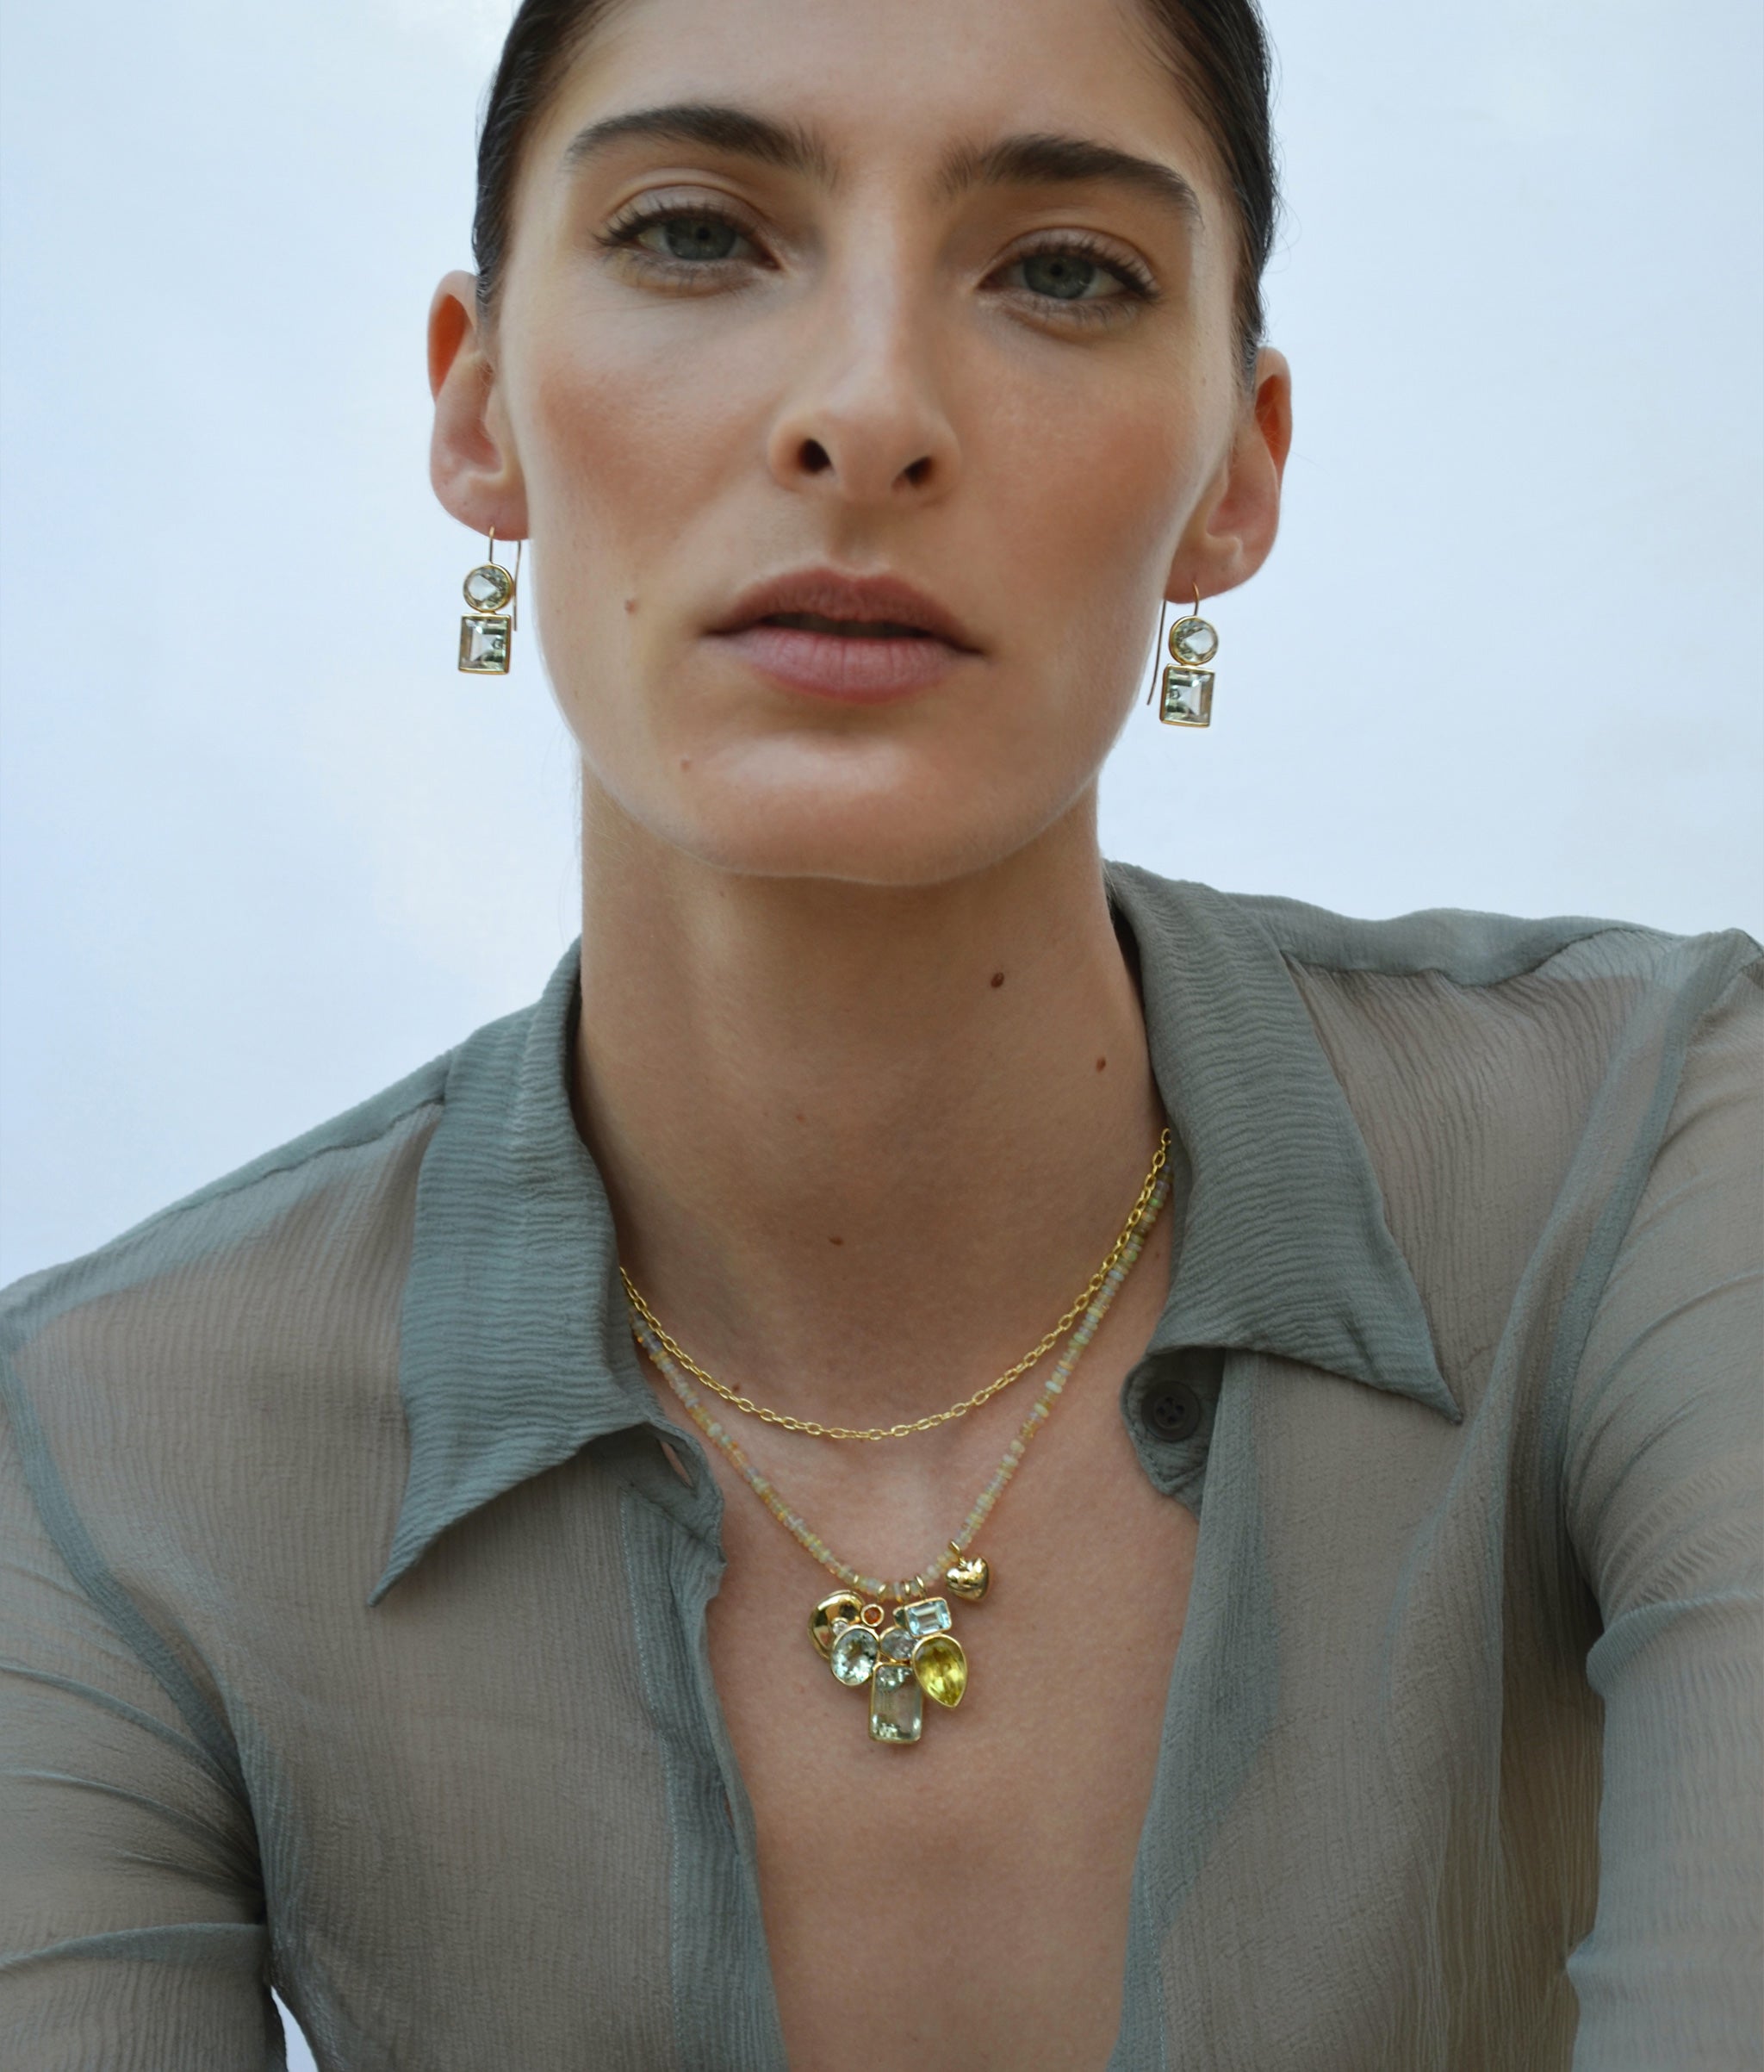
(325, 1175)
(1514, 1081)
(274, 1289)
(1587, 979)
(1560, 1004)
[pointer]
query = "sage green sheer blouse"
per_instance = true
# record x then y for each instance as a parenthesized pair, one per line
(354, 1620)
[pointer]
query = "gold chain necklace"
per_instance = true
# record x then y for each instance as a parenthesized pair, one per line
(1038, 1352)
(916, 1655)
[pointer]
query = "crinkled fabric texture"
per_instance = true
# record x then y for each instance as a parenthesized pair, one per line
(352, 1636)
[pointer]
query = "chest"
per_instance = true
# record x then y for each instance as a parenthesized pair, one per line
(964, 1900)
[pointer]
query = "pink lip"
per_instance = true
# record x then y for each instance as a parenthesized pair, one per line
(857, 668)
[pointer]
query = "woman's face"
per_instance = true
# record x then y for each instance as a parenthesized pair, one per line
(930, 295)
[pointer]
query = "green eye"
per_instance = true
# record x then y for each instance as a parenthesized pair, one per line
(691, 238)
(1068, 276)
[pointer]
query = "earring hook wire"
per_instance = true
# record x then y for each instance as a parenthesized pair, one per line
(1157, 649)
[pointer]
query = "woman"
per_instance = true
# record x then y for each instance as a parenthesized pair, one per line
(398, 1617)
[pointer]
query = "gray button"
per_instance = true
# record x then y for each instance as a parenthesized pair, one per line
(1169, 1395)
(1173, 1411)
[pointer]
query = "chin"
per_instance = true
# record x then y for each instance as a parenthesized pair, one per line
(889, 820)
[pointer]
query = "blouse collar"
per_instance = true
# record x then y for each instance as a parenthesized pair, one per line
(515, 1350)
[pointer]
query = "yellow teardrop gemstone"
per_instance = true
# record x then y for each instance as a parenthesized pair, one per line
(941, 1668)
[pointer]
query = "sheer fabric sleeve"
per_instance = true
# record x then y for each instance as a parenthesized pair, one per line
(131, 1915)
(1664, 1470)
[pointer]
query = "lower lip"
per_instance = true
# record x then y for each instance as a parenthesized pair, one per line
(859, 671)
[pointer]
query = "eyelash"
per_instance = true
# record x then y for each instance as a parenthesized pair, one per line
(1137, 287)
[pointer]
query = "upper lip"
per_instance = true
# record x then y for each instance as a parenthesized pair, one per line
(829, 594)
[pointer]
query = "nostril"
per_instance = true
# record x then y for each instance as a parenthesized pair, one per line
(815, 457)
(917, 473)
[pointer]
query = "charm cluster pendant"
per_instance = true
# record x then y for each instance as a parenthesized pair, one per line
(900, 1659)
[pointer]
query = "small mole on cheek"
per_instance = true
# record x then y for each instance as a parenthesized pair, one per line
(685, 762)
(1101, 1063)
(630, 604)
(801, 1117)
(998, 978)
(835, 1241)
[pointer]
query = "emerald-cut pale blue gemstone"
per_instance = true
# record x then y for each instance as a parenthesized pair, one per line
(928, 1615)
(897, 1704)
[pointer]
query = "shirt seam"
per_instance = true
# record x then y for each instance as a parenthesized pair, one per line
(1617, 1215)
(1328, 967)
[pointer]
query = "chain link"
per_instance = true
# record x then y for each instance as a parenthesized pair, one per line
(1086, 1296)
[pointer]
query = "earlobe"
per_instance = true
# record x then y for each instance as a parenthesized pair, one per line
(472, 463)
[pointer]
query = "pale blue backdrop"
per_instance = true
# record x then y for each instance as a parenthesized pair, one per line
(264, 850)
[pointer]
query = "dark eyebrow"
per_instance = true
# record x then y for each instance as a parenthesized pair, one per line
(714, 126)
(1039, 160)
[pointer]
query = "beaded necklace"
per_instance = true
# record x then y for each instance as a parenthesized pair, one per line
(916, 1654)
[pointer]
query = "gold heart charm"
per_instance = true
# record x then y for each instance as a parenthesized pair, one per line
(969, 1577)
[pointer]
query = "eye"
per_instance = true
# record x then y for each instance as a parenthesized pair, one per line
(1066, 275)
(1079, 276)
(691, 238)
(680, 240)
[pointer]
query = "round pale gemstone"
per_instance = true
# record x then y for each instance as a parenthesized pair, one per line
(487, 588)
(831, 1614)
(1192, 640)
(853, 1656)
(897, 1643)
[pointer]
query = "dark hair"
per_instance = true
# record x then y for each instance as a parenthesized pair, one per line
(1218, 50)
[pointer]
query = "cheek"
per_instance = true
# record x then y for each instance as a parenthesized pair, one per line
(619, 454)
(1089, 482)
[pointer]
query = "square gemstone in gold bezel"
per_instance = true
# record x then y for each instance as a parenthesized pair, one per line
(483, 643)
(1187, 697)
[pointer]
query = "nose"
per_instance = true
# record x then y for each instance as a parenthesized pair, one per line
(863, 421)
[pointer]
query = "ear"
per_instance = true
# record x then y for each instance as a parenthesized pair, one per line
(472, 462)
(1231, 533)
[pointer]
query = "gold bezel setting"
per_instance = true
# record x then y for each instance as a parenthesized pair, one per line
(486, 606)
(1187, 697)
(1185, 648)
(487, 660)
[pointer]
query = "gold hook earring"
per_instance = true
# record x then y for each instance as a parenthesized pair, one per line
(486, 635)
(1187, 698)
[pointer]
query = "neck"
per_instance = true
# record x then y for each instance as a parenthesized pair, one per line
(862, 1145)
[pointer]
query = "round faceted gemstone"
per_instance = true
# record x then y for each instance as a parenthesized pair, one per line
(853, 1656)
(488, 587)
(897, 1643)
(841, 1608)
(1192, 640)
(941, 1668)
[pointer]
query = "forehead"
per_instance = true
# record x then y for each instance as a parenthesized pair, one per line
(891, 80)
